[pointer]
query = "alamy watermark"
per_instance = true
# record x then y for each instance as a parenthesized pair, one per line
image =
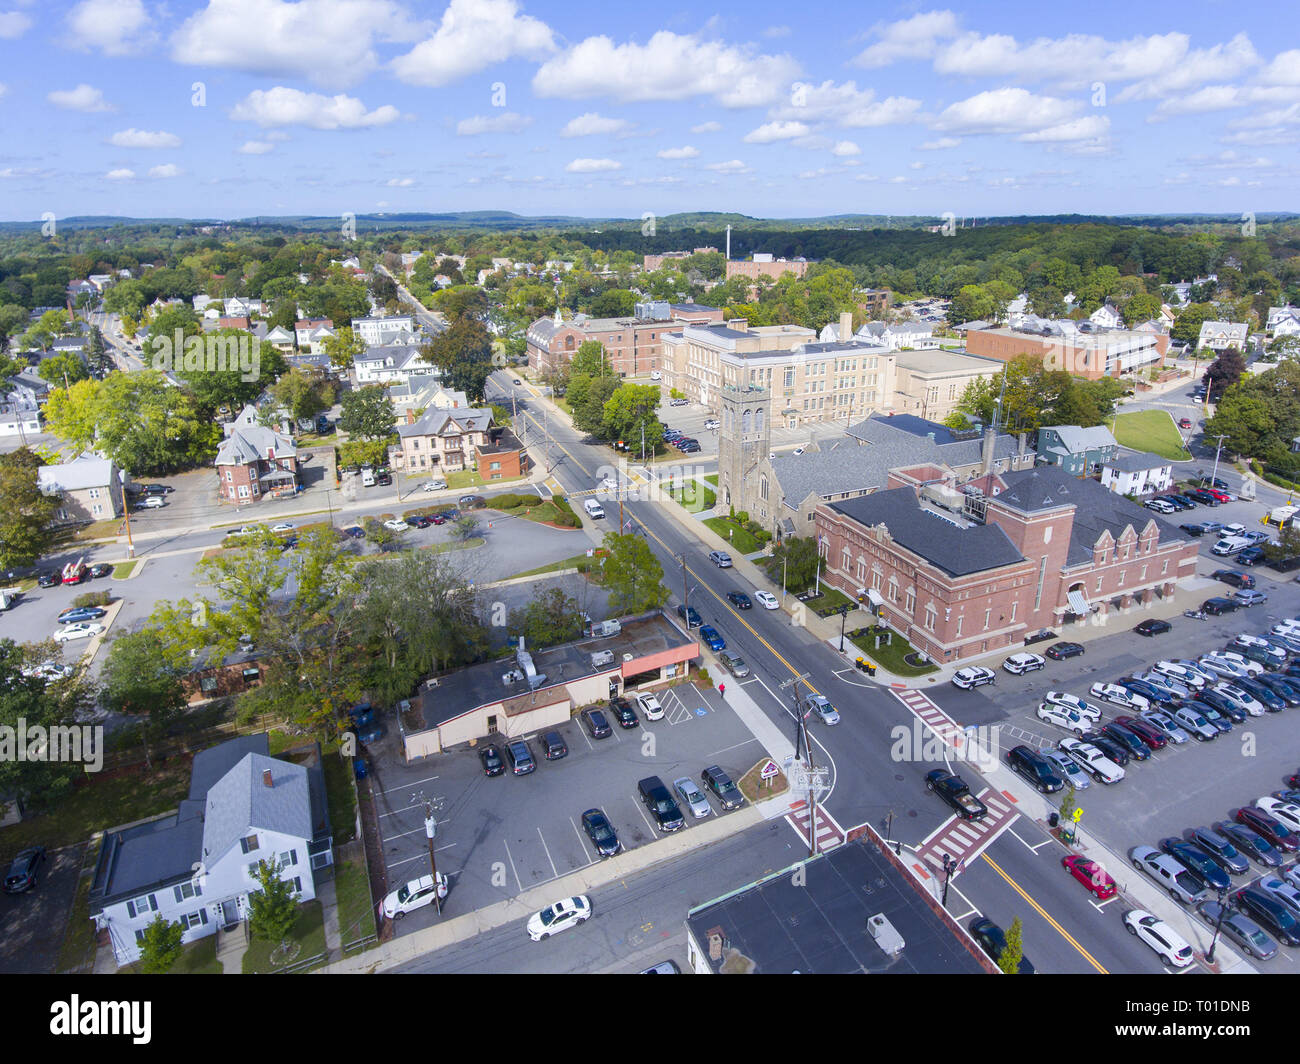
(212, 353)
(72, 743)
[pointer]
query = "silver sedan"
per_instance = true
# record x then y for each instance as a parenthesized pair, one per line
(693, 797)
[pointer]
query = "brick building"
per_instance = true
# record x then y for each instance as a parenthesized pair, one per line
(764, 265)
(254, 461)
(1036, 549)
(634, 345)
(1089, 353)
(448, 440)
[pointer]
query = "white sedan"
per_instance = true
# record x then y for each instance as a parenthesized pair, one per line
(1063, 718)
(1280, 809)
(1092, 760)
(1171, 947)
(650, 706)
(1019, 664)
(1074, 702)
(84, 630)
(559, 917)
(283, 526)
(395, 525)
(767, 599)
(415, 895)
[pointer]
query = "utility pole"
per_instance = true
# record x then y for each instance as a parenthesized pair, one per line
(801, 742)
(430, 832)
(1217, 451)
(686, 604)
(126, 509)
(1218, 925)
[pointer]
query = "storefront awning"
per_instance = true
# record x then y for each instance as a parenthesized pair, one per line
(1078, 604)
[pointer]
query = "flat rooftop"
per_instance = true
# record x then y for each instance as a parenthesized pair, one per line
(820, 925)
(466, 689)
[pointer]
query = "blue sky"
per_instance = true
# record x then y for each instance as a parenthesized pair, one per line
(770, 109)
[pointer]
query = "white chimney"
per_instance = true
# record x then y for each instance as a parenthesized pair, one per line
(846, 326)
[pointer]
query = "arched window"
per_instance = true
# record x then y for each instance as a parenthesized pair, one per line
(758, 422)
(568, 343)
(745, 421)
(762, 486)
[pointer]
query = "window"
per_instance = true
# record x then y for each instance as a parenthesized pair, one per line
(243, 491)
(1015, 605)
(249, 844)
(297, 884)
(195, 919)
(1099, 580)
(288, 858)
(494, 465)
(1164, 568)
(143, 904)
(844, 560)
(208, 684)
(789, 378)
(987, 614)
(960, 617)
(185, 890)
(762, 486)
(930, 617)
(911, 599)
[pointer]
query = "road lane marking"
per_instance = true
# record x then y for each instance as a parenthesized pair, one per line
(512, 866)
(1043, 913)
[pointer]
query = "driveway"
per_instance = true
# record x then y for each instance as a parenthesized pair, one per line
(32, 924)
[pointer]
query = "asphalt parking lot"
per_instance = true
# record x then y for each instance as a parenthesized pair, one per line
(32, 924)
(499, 837)
(1178, 788)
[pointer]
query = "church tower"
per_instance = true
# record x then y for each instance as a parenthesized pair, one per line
(743, 441)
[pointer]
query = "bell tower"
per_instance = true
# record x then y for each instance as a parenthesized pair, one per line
(743, 440)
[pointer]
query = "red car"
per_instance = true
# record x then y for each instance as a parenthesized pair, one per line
(1185, 423)
(437, 519)
(1270, 827)
(1144, 731)
(1091, 875)
(1222, 496)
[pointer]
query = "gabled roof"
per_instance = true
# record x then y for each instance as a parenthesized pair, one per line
(437, 422)
(1076, 440)
(241, 801)
(250, 443)
(1138, 462)
(956, 550)
(85, 471)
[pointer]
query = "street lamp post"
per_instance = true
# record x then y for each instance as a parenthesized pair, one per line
(949, 866)
(1218, 925)
(844, 613)
(126, 509)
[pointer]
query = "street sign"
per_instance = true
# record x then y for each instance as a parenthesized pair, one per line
(1078, 814)
(768, 770)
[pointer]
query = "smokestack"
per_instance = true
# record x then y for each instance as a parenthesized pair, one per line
(266, 778)
(728, 243)
(989, 436)
(846, 326)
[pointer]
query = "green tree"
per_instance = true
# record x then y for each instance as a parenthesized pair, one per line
(1187, 325)
(1142, 307)
(465, 527)
(368, 413)
(64, 368)
(461, 301)
(1224, 372)
(631, 411)
(550, 619)
(590, 360)
(463, 354)
(304, 392)
(1014, 952)
(632, 575)
(214, 387)
(273, 907)
(161, 947)
(25, 512)
(343, 347)
(587, 399)
(142, 678)
(971, 303)
(795, 561)
(614, 303)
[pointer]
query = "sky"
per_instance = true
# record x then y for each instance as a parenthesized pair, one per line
(236, 108)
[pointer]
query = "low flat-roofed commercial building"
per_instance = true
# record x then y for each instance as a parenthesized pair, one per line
(812, 918)
(544, 688)
(1091, 354)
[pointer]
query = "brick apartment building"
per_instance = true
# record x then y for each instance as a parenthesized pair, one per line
(1037, 549)
(655, 262)
(448, 440)
(1091, 354)
(254, 461)
(764, 265)
(634, 345)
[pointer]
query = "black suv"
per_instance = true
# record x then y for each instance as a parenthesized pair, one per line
(1260, 905)
(22, 870)
(660, 803)
(1035, 768)
(622, 711)
(521, 758)
(596, 724)
(553, 747)
(1216, 606)
(719, 783)
(1233, 578)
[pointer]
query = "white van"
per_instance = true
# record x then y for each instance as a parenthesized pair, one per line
(367, 478)
(594, 510)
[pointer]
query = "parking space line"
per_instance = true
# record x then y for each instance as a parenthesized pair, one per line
(390, 865)
(408, 786)
(1032, 847)
(512, 866)
(547, 849)
(581, 841)
(641, 810)
(734, 746)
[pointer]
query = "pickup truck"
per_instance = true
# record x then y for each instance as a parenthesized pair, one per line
(953, 790)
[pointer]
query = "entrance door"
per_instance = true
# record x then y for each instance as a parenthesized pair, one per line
(229, 914)
(492, 724)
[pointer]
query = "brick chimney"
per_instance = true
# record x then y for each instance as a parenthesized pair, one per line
(846, 326)
(989, 437)
(266, 778)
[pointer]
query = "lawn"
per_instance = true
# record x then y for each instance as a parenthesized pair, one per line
(197, 958)
(538, 510)
(888, 657)
(1150, 430)
(712, 478)
(125, 569)
(98, 530)
(829, 601)
(341, 797)
(451, 545)
(101, 803)
(356, 907)
(755, 788)
(693, 496)
(309, 932)
(78, 946)
(739, 537)
(469, 478)
(579, 561)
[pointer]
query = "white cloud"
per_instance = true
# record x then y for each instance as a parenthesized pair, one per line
(679, 153)
(282, 106)
(401, 182)
(733, 166)
(845, 105)
(916, 165)
(508, 122)
(14, 24)
(592, 124)
(707, 127)
(776, 31)
(473, 35)
(165, 170)
(845, 148)
(592, 166)
(256, 147)
(1089, 127)
(670, 66)
(1283, 70)
(329, 42)
(1191, 67)
(114, 27)
(84, 98)
(941, 144)
(770, 132)
(1006, 111)
(911, 38)
(1210, 98)
(120, 175)
(142, 138)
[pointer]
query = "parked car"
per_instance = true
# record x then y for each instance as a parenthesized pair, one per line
(1280, 809)
(75, 614)
(1250, 597)
(1063, 718)
(690, 615)
(1239, 929)
(650, 706)
(1091, 875)
(621, 710)
(1061, 651)
(1114, 750)
(1152, 736)
(520, 757)
(601, 833)
(712, 638)
(1217, 606)
(597, 726)
(47, 579)
(1269, 827)
(1093, 760)
(993, 941)
(1028, 763)
(490, 755)
(1198, 862)
(1168, 945)
(767, 600)
(1068, 769)
(739, 599)
(1074, 702)
(1168, 727)
(1118, 696)
(1194, 723)
(720, 558)
(1270, 912)
(1253, 845)
(719, 784)
(559, 917)
(655, 797)
(553, 746)
(1251, 555)
(1167, 871)
(24, 869)
(1152, 626)
(414, 895)
(973, 676)
(691, 795)
(734, 664)
(1221, 849)
(954, 791)
(78, 630)
(1233, 578)
(1019, 664)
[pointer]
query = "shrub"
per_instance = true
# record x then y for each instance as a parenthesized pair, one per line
(93, 598)
(741, 518)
